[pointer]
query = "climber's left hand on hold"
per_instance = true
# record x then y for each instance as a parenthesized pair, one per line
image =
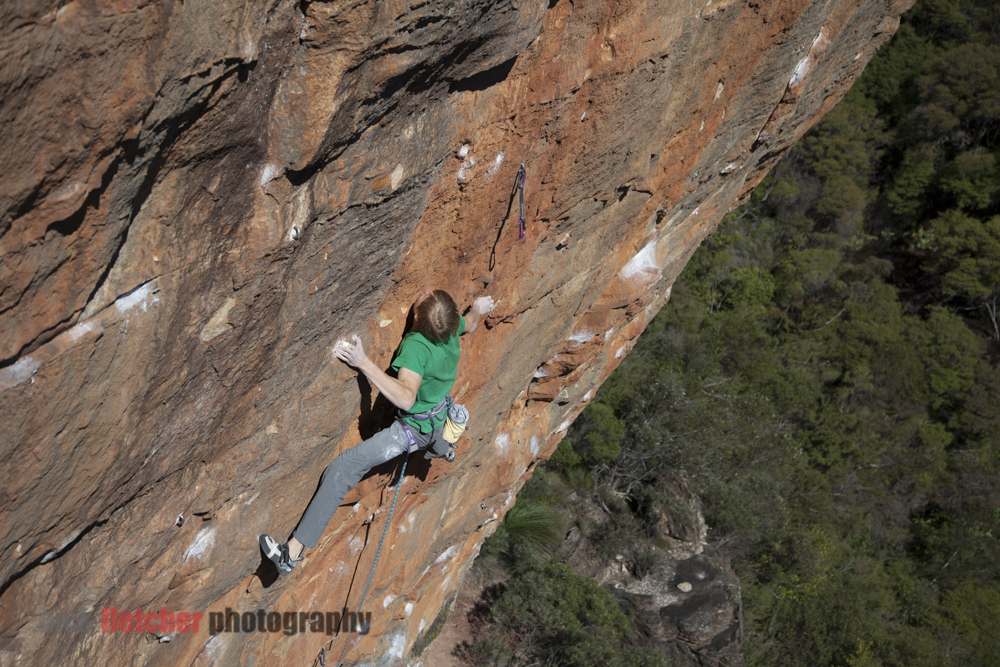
(352, 355)
(483, 304)
(480, 307)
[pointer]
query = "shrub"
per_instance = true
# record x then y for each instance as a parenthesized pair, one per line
(527, 536)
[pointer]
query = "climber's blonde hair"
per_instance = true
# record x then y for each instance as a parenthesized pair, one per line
(437, 316)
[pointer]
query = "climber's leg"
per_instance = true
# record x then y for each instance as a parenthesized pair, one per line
(345, 472)
(295, 548)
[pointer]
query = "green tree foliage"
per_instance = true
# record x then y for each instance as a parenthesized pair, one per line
(963, 612)
(941, 21)
(842, 152)
(966, 254)
(888, 80)
(913, 178)
(845, 448)
(960, 97)
(553, 616)
(971, 180)
(604, 439)
(823, 375)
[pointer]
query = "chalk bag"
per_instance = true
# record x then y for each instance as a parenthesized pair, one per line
(456, 422)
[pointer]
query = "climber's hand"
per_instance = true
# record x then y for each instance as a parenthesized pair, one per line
(483, 304)
(352, 355)
(450, 456)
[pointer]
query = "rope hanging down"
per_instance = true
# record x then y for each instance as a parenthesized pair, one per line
(409, 444)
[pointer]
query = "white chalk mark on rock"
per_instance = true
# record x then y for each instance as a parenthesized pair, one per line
(202, 545)
(20, 372)
(448, 553)
(535, 444)
(801, 69)
(270, 172)
(496, 164)
(80, 330)
(129, 301)
(643, 265)
(805, 65)
(67, 191)
(397, 645)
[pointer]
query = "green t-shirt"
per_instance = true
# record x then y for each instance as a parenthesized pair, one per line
(437, 365)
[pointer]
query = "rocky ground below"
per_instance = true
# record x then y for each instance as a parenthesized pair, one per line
(688, 605)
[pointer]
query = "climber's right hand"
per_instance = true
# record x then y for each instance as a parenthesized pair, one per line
(351, 354)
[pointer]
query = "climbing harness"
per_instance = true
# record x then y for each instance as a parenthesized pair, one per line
(433, 412)
(456, 418)
(519, 184)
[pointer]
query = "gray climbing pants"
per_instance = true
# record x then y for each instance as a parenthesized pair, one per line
(347, 470)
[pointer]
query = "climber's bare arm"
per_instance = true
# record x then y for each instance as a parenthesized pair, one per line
(401, 391)
(480, 307)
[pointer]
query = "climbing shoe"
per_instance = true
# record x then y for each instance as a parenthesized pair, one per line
(277, 554)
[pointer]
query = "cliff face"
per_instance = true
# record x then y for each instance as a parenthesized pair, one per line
(200, 198)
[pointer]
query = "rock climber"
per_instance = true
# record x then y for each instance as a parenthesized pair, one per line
(426, 365)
